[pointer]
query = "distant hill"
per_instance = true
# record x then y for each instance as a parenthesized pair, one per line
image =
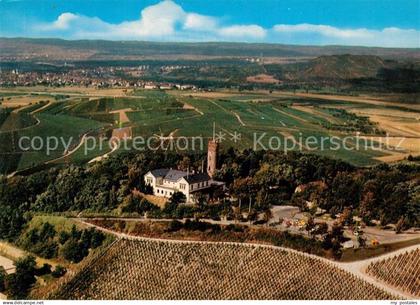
(17, 49)
(339, 67)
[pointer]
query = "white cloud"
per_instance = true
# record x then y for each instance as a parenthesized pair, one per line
(199, 22)
(323, 30)
(325, 34)
(160, 19)
(163, 21)
(243, 31)
(62, 23)
(167, 20)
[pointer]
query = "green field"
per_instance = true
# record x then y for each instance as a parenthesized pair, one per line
(63, 126)
(16, 121)
(271, 119)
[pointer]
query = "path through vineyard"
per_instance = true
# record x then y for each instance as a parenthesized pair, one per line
(134, 265)
(359, 268)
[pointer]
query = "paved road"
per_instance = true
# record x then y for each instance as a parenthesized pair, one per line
(7, 264)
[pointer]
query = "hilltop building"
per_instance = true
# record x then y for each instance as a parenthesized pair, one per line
(213, 148)
(166, 181)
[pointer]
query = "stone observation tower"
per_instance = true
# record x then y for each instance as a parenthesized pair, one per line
(212, 150)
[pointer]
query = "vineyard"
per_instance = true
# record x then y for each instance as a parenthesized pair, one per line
(401, 271)
(148, 269)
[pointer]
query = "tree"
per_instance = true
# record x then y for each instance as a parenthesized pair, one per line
(184, 164)
(367, 205)
(3, 276)
(267, 215)
(321, 229)
(74, 233)
(74, 251)
(19, 283)
(177, 198)
(310, 226)
(361, 240)
(400, 225)
(97, 239)
(59, 271)
(172, 205)
(63, 236)
(346, 217)
(47, 231)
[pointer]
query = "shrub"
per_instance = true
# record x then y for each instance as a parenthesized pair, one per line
(74, 251)
(3, 275)
(45, 269)
(59, 271)
(174, 226)
(19, 283)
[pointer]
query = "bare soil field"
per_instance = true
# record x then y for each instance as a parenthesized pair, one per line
(397, 127)
(19, 101)
(388, 112)
(123, 115)
(122, 133)
(262, 79)
(190, 107)
(355, 99)
(76, 90)
(159, 201)
(210, 94)
(409, 146)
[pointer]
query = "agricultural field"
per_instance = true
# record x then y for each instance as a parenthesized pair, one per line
(150, 269)
(20, 100)
(68, 127)
(287, 120)
(401, 271)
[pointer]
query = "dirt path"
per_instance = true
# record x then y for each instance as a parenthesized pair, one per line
(42, 108)
(104, 156)
(17, 110)
(312, 110)
(7, 264)
(358, 268)
(172, 134)
(69, 153)
(289, 137)
(239, 119)
(291, 115)
(123, 114)
(24, 128)
(13, 253)
(191, 107)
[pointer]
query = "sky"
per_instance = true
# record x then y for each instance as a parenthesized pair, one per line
(384, 23)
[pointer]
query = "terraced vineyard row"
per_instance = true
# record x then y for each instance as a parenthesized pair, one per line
(401, 271)
(146, 269)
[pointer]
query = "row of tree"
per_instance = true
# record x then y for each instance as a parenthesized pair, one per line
(385, 193)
